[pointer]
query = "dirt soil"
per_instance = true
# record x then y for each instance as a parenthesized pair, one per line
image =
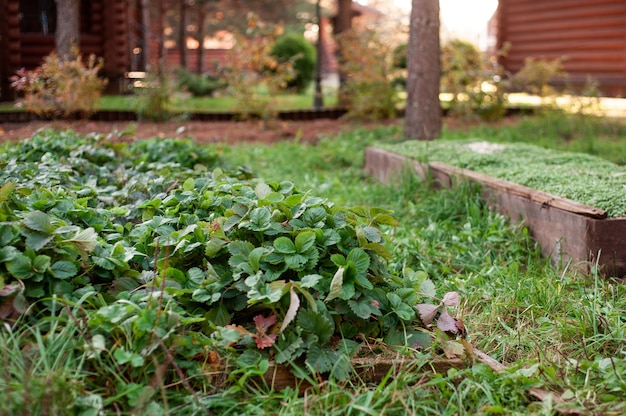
(201, 132)
(220, 131)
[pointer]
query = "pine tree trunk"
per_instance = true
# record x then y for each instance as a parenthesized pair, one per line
(201, 32)
(423, 110)
(182, 34)
(67, 36)
(342, 24)
(146, 23)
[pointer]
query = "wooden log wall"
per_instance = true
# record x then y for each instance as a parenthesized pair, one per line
(590, 34)
(115, 37)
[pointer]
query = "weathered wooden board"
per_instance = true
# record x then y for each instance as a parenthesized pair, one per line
(369, 369)
(569, 233)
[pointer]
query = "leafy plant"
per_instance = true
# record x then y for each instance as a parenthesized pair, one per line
(536, 75)
(199, 85)
(176, 242)
(252, 69)
(367, 63)
(155, 97)
(61, 88)
(297, 51)
(476, 83)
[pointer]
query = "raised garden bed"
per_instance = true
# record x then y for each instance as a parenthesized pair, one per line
(571, 233)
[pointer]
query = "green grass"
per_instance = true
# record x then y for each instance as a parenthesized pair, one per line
(213, 104)
(554, 328)
(222, 104)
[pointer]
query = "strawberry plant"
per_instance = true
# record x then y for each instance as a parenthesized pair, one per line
(168, 244)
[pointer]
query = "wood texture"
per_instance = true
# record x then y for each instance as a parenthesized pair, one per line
(367, 369)
(570, 234)
(590, 34)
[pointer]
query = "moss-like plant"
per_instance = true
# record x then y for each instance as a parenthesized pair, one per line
(581, 177)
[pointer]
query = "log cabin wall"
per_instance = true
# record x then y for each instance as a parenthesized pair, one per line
(24, 43)
(590, 34)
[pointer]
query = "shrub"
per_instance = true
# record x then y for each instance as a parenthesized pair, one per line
(366, 61)
(61, 88)
(199, 85)
(295, 49)
(251, 69)
(536, 74)
(155, 97)
(477, 85)
(461, 67)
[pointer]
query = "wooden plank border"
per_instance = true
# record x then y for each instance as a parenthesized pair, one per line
(569, 233)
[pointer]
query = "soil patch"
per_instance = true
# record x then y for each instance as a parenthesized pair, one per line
(201, 132)
(221, 131)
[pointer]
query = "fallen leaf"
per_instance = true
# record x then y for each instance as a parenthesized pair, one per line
(240, 329)
(447, 323)
(8, 290)
(294, 305)
(427, 312)
(451, 299)
(453, 349)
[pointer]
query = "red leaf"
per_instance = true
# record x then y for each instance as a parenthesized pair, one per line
(265, 340)
(263, 324)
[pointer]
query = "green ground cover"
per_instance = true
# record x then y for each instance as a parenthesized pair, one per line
(580, 177)
(554, 329)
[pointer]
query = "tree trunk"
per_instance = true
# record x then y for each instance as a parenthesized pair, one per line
(182, 34)
(146, 23)
(202, 12)
(342, 23)
(67, 36)
(160, 15)
(423, 110)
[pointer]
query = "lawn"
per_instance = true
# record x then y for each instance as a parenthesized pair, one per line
(554, 329)
(221, 104)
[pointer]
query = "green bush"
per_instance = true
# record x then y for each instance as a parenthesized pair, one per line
(296, 49)
(199, 85)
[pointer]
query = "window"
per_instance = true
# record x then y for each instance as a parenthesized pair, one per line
(39, 16)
